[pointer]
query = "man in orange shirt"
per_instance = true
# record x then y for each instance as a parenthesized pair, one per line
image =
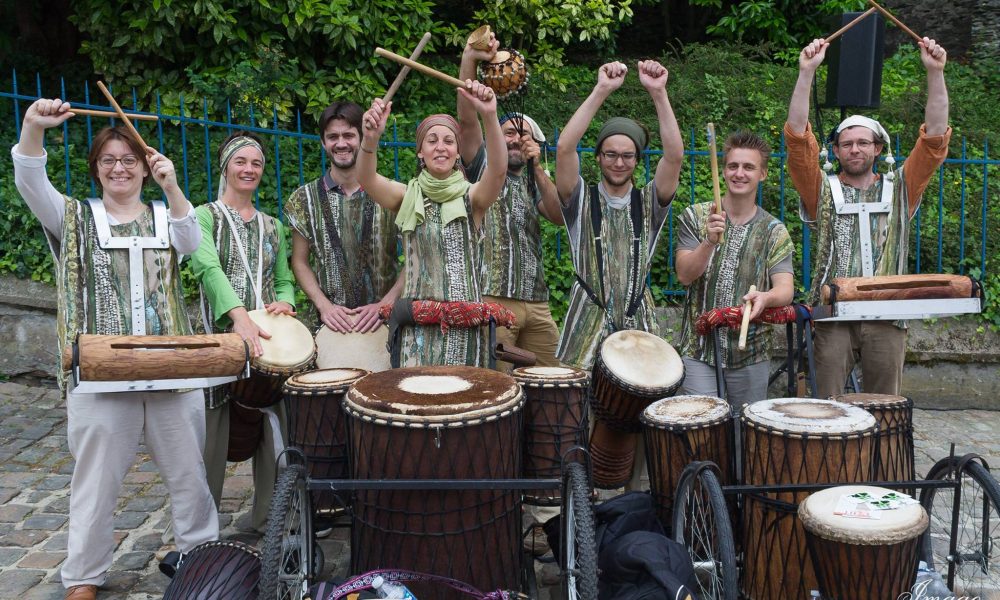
(838, 205)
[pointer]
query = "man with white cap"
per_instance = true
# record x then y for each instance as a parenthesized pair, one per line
(862, 217)
(513, 270)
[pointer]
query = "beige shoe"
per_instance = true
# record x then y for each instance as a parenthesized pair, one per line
(81, 592)
(536, 541)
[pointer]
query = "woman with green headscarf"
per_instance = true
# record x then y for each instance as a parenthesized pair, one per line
(440, 215)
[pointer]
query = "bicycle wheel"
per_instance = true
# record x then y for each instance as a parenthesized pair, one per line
(578, 543)
(973, 568)
(287, 564)
(701, 524)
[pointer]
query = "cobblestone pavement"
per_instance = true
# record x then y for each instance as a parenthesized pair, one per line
(35, 468)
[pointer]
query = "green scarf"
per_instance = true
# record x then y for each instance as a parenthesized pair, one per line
(448, 192)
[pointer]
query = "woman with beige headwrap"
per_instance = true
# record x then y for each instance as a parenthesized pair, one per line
(440, 215)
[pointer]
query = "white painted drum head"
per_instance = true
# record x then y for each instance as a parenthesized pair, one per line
(434, 395)
(323, 380)
(550, 376)
(873, 401)
(641, 360)
(892, 527)
(290, 344)
(687, 412)
(808, 415)
(336, 350)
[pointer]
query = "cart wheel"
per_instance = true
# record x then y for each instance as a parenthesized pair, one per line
(973, 569)
(578, 542)
(288, 561)
(701, 524)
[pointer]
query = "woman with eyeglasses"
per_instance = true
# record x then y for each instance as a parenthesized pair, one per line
(94, 297)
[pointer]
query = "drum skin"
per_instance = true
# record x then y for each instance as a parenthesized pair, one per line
(290, 350)
(894, 457)
(794, 440)
(437, 423)
(217, 571)
(858, 559)
(335, 350)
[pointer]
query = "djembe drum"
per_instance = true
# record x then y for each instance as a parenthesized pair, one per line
(335, 350)
(216, 571)
(633, 369)
(555, 420)
(894, 414)
(316, 425)
(438, 422)
(681, 430)
(506, 74)
(862, 558)
(788, 441)
(288, 351)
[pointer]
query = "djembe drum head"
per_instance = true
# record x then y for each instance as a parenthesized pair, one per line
(894, 454)
(335, 350)
(289, 350)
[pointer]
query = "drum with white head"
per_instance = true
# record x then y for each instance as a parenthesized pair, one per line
(289, 350)
(335, 350)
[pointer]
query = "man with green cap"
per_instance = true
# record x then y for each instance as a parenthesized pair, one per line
(605, 221)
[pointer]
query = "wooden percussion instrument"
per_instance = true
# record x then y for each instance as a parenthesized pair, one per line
(128, 363)
(794, 440)
(898, 297)
(335, 350)
(555, 420)
(217, 571)
(443, 422)
(858, 558)
(633, 369)
(894, 460)
(681, 430)
(289, 350)
(316, 425)
(506, 74)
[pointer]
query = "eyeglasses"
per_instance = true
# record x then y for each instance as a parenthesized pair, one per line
(613, 157)
(128, 161)
(861, 144)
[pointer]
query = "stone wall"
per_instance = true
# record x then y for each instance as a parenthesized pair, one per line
(961, 26)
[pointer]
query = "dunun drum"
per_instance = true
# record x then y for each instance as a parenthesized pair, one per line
(217, 571)
(290, 350)
(437, 423)
(894, 455)
(506, 74)
(316, 425)
(862, 559)
(681, 430)
(794, 440)
(246, 427)
(367, 351)
(633, 369)
(555, 420)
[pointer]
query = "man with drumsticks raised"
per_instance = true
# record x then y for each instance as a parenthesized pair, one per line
(830, 205)
(611, 293)
(514, 274)
(719, 256)
(343, 244)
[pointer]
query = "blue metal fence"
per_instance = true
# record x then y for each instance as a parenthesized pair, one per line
(307, 146)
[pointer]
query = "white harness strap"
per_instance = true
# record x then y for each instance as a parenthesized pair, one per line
(864, 210)
(255, 282)
(135, 246)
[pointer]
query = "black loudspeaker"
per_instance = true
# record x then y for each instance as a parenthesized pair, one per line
(854, 77)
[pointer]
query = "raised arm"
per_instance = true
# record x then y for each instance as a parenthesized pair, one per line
(385, 192)
(485, 192)
(934, 58)
(653, 77)
(802, 166)
(609, 78)
(810, 59)
(44, 201)
(470, 135)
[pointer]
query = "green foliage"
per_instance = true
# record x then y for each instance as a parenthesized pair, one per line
(782, 23)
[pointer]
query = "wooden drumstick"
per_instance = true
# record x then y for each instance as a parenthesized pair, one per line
(714, 159)
(745, 325)
(454, 81)
(889, 15)
(124, 118)
(86, 112)
(406, 70)
(836, 34)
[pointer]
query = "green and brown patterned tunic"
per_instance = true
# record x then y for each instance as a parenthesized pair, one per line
(586, 324)
(512, 257)
(352, 241)
(748, 255)
(443, 263)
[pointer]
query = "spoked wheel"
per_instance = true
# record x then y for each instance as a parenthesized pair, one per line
(288, 562)
(701, 524)
(970, 562)
(578, 542)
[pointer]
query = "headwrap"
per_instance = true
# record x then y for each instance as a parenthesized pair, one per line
(448, 192)
(536, 131)
(624, 126)
(438, 119)
(861, 121)
(235, 145)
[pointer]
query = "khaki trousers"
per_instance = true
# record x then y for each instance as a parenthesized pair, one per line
(881, 346)
(535, 331)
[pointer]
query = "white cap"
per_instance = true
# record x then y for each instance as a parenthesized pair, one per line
(536, 131)
(861, 121)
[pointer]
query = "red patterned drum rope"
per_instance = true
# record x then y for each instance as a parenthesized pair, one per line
(732, 316)
(455, 314)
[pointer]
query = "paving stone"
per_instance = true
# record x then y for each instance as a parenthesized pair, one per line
(66, 468)
(150, 542)
(133, 561)
(15, 513)
(45, 521)
(130, 520)
(53, 482)
(8, 494)
(145, 503)
(154, 584)
(23, 539)
(58, 506)
(140, 477)
(15, 582)
(56, 542)
(120, 581)
(45, 591)
(9, 556)
(42, 560)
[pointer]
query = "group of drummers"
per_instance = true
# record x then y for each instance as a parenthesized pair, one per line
(471, 256)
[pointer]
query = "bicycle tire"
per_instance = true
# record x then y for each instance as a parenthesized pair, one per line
(284, 573)
(701, 524)
(578, 543)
